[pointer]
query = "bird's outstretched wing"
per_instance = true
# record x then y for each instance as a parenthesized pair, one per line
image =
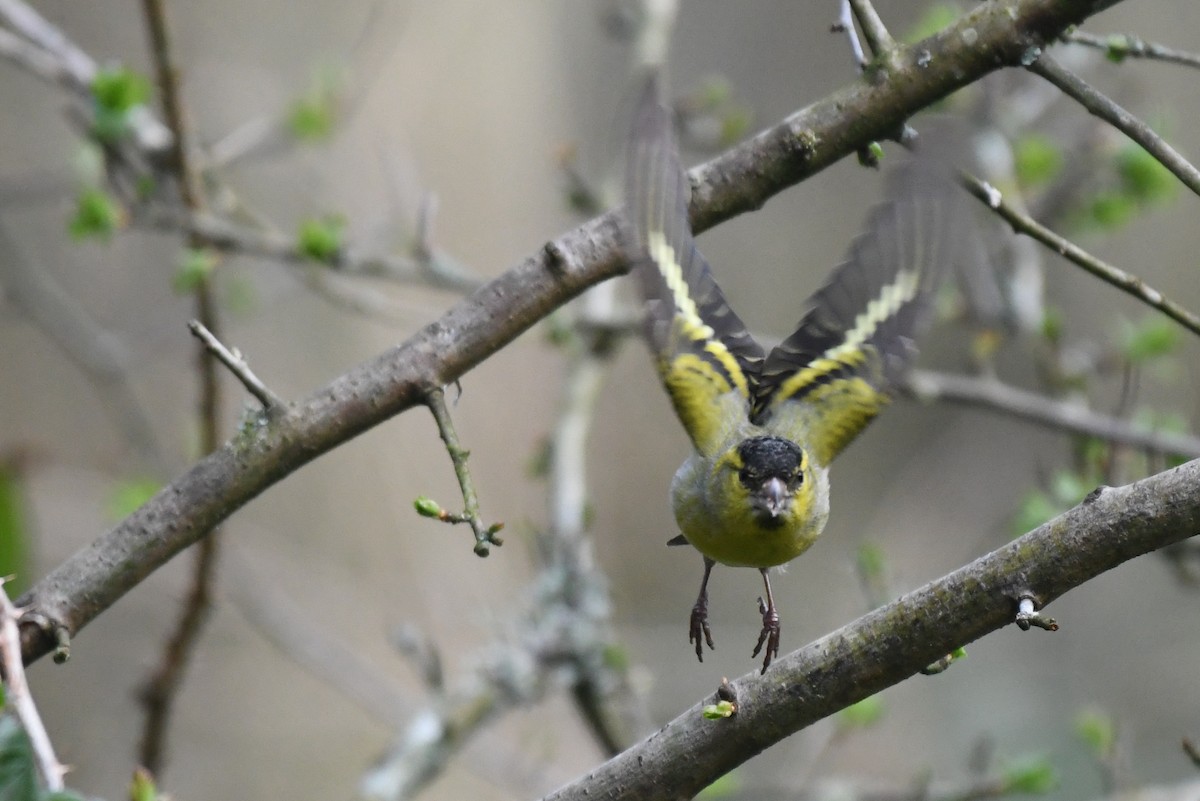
(825, 382)
(707, 359)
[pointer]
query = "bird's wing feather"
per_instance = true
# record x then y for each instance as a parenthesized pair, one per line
(823, 384)
(708, 360)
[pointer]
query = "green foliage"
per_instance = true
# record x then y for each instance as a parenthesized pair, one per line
(427, 507)
(97, 214)
(321, 240)
(142, 787)
(871, 155)
(724, 787)
(1152, 338)
(616, 658)
(120, 89)
(129, 496)
(1096, 729)
(1033, 774)
(719, 710)
(861, 715)
(14, 532)
(1110, 210)
(1067, 488)
(1053, 325)
(871, 560)
(1118, 47)
(18, 775)
(116, 92)
(1144, 177)
(1037, 160)
(735, 122)
(313, 117)
(936, 17)
(195, 266)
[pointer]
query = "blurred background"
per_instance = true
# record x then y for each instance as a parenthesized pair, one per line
(481, 104)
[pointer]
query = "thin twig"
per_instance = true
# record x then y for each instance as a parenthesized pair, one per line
(159, 691)
(845, 24)
(20, 700)
(990, 393)
(439, 270)
(1192, 750)
(237, 365)
(1130, 284)
(1123, 45)
(879, 41)
(485, 536)
(1103, 107)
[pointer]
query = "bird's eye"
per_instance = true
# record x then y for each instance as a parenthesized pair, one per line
(745, 476)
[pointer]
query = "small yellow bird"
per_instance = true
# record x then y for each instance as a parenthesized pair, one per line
(765, 426)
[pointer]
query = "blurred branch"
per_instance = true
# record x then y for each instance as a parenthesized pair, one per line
(739, 180)
(1101, 106)
(97, 352)
(1031, 407)
(19, 699)
(160, 689)
(895, 642)
(64, 63)
(435, 269)
(281, 621)
(1130, 284)
(1119, 46)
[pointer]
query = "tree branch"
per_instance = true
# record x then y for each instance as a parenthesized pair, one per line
(1120, 46)
(895, 642)
(989, 37)
(1057, 415)
(1130, 284)
(1101, 106)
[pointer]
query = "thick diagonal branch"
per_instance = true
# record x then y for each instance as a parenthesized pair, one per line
(896, 641)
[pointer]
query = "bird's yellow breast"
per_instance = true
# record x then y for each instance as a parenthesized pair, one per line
(714, 514)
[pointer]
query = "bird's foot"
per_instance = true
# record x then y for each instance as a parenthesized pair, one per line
(769, 634)
(698, 627)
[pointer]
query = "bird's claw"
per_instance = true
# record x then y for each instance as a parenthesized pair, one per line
(698, 628)
(769, 634)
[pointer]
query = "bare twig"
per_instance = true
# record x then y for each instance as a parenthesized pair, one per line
(1192, 750)
(159, 691)
(1101, 106)
(1122, 45)
(994, 395)
(874, 31)
(18, 697)
(1130, 284)
(438, 270)
(237, 365)
(845, 24)
(97, 352)
(485, 536)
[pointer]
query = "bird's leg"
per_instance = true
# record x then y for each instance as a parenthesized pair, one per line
(770, 628)
(698, 625)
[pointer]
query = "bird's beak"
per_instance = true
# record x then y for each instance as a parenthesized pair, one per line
(775, 496)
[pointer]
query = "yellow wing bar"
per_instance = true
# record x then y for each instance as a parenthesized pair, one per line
(707, 359)
(830, 378)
